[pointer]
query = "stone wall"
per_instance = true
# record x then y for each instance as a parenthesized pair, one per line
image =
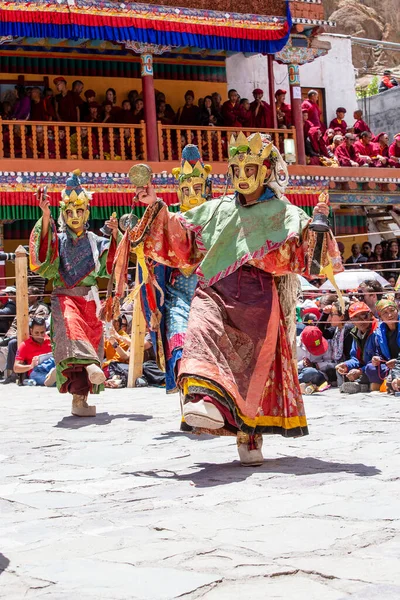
(382, 111)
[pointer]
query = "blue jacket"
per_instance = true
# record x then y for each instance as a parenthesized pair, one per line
(357, 359)
(381, 341)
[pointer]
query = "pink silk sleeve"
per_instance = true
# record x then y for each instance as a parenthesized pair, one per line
(170, 243)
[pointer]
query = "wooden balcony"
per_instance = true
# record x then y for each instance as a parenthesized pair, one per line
(72, 141)
(211, 141)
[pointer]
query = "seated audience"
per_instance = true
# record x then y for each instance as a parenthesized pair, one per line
(387, 344)
(335, 326)
(370, 291)
(351, 374)
(316, 149)
(394, 152)
(8, 308)
(366, 148)
(381, 150)
(356, 259)
(313, 357)
(37, 345)
(346, 153)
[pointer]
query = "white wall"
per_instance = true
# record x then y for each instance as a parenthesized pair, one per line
(334, 72)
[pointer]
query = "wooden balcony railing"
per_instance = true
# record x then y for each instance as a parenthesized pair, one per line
(82, 141)
(211, 141)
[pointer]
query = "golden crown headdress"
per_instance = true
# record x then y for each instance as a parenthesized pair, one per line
(74, 195)
(252, 150)
(191, 165)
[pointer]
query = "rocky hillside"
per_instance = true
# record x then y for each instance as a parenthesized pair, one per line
(370, 19)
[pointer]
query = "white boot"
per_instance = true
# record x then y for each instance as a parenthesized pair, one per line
(80, 407)
(203, 414)
(95, 374)
(250, 457)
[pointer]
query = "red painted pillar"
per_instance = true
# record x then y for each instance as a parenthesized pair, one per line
(150, 113)
(296, 102)
(2, 263)
(271, 88)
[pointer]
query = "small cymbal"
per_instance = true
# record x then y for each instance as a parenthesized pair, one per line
(140, 175)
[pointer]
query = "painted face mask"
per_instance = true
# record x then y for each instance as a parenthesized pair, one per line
(244, 152)
(74, 205)
(194, 179)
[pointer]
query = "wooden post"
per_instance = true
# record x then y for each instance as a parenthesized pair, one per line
(271, 90)
(21, 282)
(135, 369)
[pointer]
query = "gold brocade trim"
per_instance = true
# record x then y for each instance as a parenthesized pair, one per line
(259, 421)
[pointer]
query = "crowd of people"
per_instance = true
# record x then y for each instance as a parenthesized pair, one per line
(340, 144)
(32, 362)
(353, 345)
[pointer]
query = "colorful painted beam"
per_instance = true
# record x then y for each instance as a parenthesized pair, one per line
(149, 24)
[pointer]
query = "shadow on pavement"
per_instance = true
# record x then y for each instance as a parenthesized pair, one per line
(191, 436)
(4, 562)
(72, 422)
(210, 475)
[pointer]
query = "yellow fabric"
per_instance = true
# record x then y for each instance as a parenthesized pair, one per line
(262, 421)
(139, 251)
(110, 353)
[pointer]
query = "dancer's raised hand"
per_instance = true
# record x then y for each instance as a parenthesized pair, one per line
(146, 194)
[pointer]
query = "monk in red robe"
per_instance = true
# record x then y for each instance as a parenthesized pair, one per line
(283, 110)
(189, 113)
(317, 151)
(314, 111)
(261, 111)
(366, 149)
(306, 123)
(67, 106)
(360, 125)
(381, 145)
(38, 107)
(394, 152)
(339, 123)
(245, 115)
(346, 153)
(231, 110)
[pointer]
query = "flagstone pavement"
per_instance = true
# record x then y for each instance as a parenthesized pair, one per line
(125, 506)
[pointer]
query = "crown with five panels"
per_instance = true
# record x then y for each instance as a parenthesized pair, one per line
(252, 150)
(74, 195)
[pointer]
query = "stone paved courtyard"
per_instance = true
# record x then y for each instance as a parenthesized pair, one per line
(126, 507)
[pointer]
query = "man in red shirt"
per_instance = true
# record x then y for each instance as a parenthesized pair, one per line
(67, 103)
(38, 343)
(314, 111)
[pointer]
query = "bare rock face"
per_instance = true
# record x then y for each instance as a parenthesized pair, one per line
(360, 18)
